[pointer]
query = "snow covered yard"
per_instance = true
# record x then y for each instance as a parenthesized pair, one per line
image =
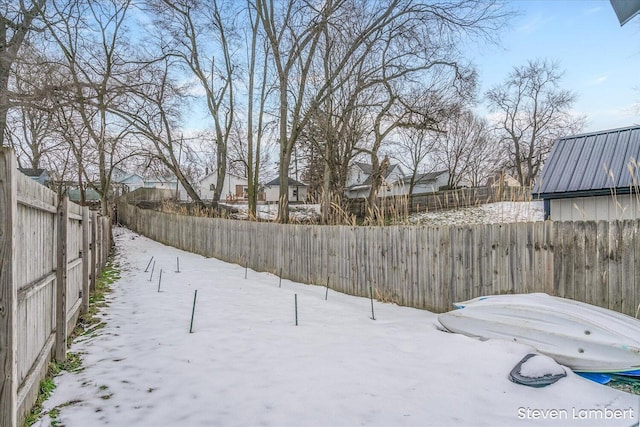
(247, 364)
(490, 213)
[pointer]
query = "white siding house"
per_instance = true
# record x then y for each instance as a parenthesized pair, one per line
(359, 180)
(395, 181)
(167, 184)
(592, 176)
(297, 191)
(128, 181)
(235, 187)
(132, 181)
(427, 182)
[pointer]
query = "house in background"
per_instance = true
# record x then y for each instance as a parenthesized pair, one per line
(167, 184)
(39, 175)
(126, 182)
(235, 187)
(593, 176)
(395, 181)
(359, 181)
(502, 179)
(427, 182)
(297, 191)
(91, 196)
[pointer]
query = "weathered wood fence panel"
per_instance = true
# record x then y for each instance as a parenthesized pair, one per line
(419, 266)
(34, 322)
(428, 202)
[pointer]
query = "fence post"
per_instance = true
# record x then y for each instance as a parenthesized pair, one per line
(61, 282)
(85, 259)
(8, 292)
(107, 239)
(99, 247)
(94, 250)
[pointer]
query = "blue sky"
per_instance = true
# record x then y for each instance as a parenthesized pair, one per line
(601, 59)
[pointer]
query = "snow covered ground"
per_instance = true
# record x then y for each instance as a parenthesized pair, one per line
(490, 213)
(269, 212)
(247, 364)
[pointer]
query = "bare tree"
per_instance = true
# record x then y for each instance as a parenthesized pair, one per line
(483, 160)
(196, 32)
(329, 144)
(31, 125)
(410, 36)
(156, 117)
(102, 69)
(533, 111)
(411, 150)
(17, 19)
(258, 51)
(293, 33)
(461, 145)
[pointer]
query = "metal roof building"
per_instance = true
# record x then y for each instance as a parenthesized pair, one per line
(593, 176)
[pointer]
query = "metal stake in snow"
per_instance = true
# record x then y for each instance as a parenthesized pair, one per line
(148, 265)
(373, 316)
(152, 268)
(280, 283)
(326, 294)
(246, 267)
(159, 280)
(178, 264)
(295, 299)
(193, 310)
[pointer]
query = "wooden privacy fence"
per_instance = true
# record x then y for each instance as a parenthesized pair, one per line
(420, 266)
(440, 200)
(51, 252)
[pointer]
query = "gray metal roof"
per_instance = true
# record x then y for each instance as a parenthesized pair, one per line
(625, 9)
(366, 167)
(32, 172)
(292, 183)
(592, 164)
(424, 178)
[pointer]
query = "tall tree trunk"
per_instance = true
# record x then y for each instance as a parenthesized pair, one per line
(283, 173)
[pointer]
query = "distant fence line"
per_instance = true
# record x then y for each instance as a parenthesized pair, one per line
(421, 266)
(440, 200)
(147, 194)
(51, 252)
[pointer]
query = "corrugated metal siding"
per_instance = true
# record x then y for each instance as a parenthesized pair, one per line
(592, 162)
(602, 208)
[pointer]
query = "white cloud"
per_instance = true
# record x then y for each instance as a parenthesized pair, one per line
(592, 10)
(534, 23)
(599, 79)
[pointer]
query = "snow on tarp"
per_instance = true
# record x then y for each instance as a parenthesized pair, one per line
(581, 336)
(537, 370)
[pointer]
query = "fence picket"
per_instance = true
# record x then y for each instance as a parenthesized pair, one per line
(39, 306)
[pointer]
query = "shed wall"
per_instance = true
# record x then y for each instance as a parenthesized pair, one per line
(601, 208)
